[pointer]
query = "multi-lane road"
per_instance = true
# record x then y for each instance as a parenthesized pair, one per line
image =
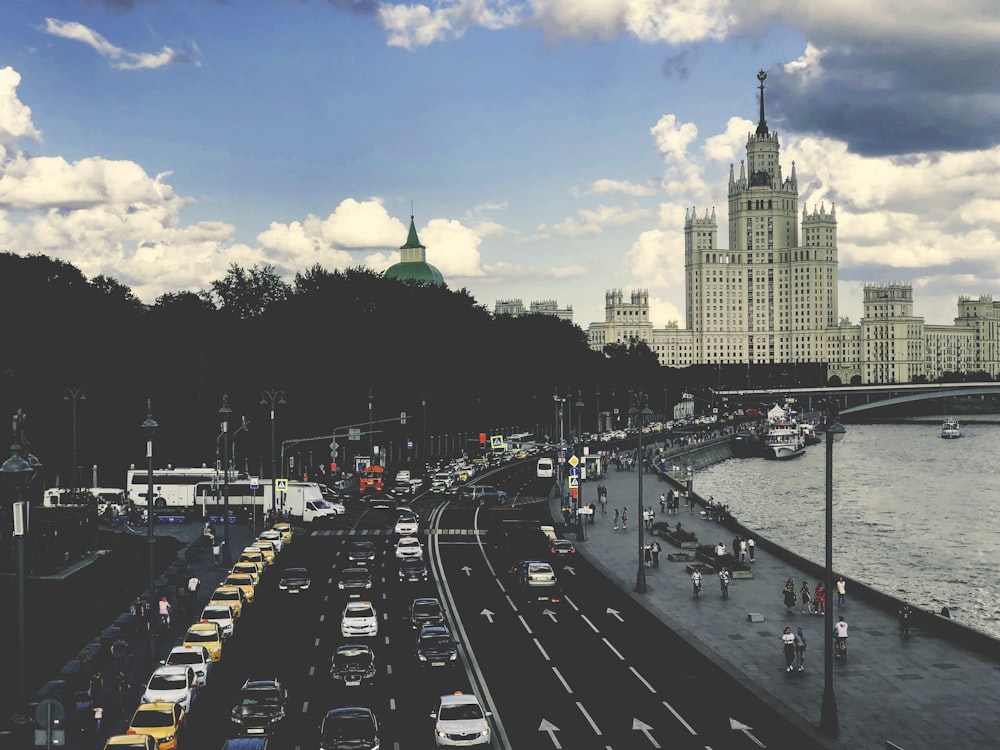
(593, 671)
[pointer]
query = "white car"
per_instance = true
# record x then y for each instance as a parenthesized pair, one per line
(407, 524)
(274, 537)
(172, 684)
(221, 614)
(461, 721)
(196, 657)
(359, 618)
(409, 546)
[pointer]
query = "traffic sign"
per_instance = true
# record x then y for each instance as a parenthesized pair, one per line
(496, 442)
(282, 485)
(254, 482)
(574, 471)
(353, 433)
(574, 461)
(574, 482)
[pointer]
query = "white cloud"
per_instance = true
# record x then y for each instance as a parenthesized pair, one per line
(589, 223)
(15, 117)
(123, 59)
(599, 187)
(413, 26)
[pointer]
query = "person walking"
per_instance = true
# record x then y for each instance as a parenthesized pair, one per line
(624, 518)
(217, 551)
(806, 598)
(663, 503)
(788, 648)
(124, 687)
(655, 549)
(751, 548)
(841, 592)
(119, 654)
(743, 549)
(800, 650)
(788, 594)
(614, 521)
(602, 498)
(96, 687)
(647, 555)
(98, 717)
(819, 597)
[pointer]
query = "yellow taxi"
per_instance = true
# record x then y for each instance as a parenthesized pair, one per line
(521, 454)
(207, 634)
(244, 581)
(266, 548)
(254, 555)
(131, 742)
(285, 529)
(161, 720)
(248, 568)
(232, 596)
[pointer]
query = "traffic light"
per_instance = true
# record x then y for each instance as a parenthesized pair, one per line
(333, 449)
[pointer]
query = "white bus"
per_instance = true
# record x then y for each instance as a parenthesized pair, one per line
(544, 468)
(184, 487)
(521, 441)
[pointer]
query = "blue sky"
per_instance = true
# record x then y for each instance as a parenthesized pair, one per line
(549, 148)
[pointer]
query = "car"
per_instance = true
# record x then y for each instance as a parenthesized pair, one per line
(130, 742)
(438, 486)
(286, 530)
(403, 475)
(222, 614)
(243, 581)
(561, 549)
(360, 552)
(172, 684)
(294, 580)
(162, 720)
(425, 611)
(230, 596)
(436, 648)
(356, 582)
(460, 721)
(207, 634)
(482, 494)
(196, 657)
(245, 743)
(359, 618)
(353, 664)
(275, 537)
(259, 707)
(536, 581)
(352, 726)
(252, 554)
(267, 549)
(412, 569)
(409, 546)
(407, 524)
(247, 568)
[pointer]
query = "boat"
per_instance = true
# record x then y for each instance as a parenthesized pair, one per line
(784, 440)
(809, 433)
(951, 429)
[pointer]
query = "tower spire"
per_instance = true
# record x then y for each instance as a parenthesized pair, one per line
(762, 124)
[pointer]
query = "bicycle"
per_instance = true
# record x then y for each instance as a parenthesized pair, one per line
(724, 584)
(840, 648)
(696, 587)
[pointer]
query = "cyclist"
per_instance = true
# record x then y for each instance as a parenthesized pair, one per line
(840, 637)
(164, 612)
(724, 579)
(696, 582)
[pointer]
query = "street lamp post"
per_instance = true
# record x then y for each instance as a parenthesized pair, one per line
(640, 411)
(579, 432)
(371, 434)
(597, 407)
(73, 395)
(273, 398)
(224, 412)
(17, 472)
(424, 451)
(828, 720)
(149, 429)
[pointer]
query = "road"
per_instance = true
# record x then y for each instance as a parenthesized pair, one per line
(595, 670)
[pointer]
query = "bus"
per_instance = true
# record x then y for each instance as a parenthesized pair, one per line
(183, 487)
(521, 441)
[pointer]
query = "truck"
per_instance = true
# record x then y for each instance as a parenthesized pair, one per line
(372, 479)
(304, 501)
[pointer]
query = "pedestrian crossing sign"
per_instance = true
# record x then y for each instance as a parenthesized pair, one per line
(496, 442)
(574, 482)
(282, 485)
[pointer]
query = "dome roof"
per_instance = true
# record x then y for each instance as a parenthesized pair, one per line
(416, 270)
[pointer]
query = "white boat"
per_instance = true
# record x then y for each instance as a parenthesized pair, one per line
(951, 429)
(784, 440)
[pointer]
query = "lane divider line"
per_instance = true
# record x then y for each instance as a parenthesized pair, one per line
(563, 681)
(615, 651)
(642, 679)
(593, 724)
(680, 718)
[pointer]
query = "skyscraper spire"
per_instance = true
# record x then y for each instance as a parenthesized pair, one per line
(762, 124)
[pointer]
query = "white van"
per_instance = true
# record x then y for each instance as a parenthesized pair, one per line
(544, 468)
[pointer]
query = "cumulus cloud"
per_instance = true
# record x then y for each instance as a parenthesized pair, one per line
(413, 26)
(15, 117)
(122, 59)
(600, 187)
(592, 222)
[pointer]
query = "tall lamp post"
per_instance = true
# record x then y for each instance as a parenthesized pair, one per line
(224, 412)
(74, 395)
(597, 407)
(640, 411)
(371, 434)
(17, 472)
(828, 720)
(424, 451)
(149, 429)
(559, 401)
(579, 432)
(273, 398)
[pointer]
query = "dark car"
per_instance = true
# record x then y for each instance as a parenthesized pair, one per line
(482, 494)
(245, 743)
(412, 569)
(355, 582)
(294, 580)
(436, 647)
(353, 664)
(562, 549)
(354, 728)
(425, 611)
(260, 707)
(361, 552)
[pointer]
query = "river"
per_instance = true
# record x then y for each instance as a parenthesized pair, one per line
(915, 516)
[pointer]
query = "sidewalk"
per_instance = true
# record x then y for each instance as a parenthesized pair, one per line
(923, 692)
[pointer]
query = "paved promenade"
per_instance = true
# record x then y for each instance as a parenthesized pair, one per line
(920, 693)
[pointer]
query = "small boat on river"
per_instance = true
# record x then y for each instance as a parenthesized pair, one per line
(951, 429)
(784, 440)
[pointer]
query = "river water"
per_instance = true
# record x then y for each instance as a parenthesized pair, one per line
(915, 516)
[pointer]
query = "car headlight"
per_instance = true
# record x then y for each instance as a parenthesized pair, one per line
(340, 585)
(440, 732)
(368, 584)
(453, 657)
(485, 732)
(421, 657)
(168, 738)
(278, 717)
(237, 718)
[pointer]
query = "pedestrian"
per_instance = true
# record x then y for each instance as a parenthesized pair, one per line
(743, 549)
(663, 503)
(788, 647)
(98, 716)
(602, 497)
(615, 521)
(788, 594)
(736, 546)
(86, 663)
(806, 598)
(647, 555)
(841, 591)
(800, 650)
(655, 549)
(751, 548)
(124, 687)
(593, 513)
(96, 687)
(690, 502)
(647, 518)
(819, 598)
(720, 549)
(624, 518)
(903, 615)
(217, 551)
(119, 654)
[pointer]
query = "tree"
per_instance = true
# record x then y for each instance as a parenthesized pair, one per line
(248, 293)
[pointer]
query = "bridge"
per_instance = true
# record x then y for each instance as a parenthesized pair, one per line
(861, 400)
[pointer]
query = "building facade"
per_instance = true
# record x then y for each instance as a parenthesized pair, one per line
(515, 307)
(771, 297)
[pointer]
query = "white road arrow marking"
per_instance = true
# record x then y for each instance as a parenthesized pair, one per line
(489, 615)
(467, 569)
(570, 569)
(551, 614)
(551, 729)
(646, 730)
(615, 613)
(741, 727)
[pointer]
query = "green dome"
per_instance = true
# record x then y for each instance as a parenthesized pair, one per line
(416, 270)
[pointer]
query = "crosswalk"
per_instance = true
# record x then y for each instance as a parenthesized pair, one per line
(390, 532)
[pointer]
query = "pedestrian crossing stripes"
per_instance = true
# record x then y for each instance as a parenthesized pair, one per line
(390, 532)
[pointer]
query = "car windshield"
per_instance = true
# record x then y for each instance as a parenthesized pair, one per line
(426, 608)
(435, 641)
(460, 712)
(201, 636)
(185, 657)
(239, 581)
(295, 573)
(360, 612)
(216, 613)
(412, 564)
(227, 596)
(167, 682)
(347, 726)
(353, 658)
(260, 698)
(153, 718)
